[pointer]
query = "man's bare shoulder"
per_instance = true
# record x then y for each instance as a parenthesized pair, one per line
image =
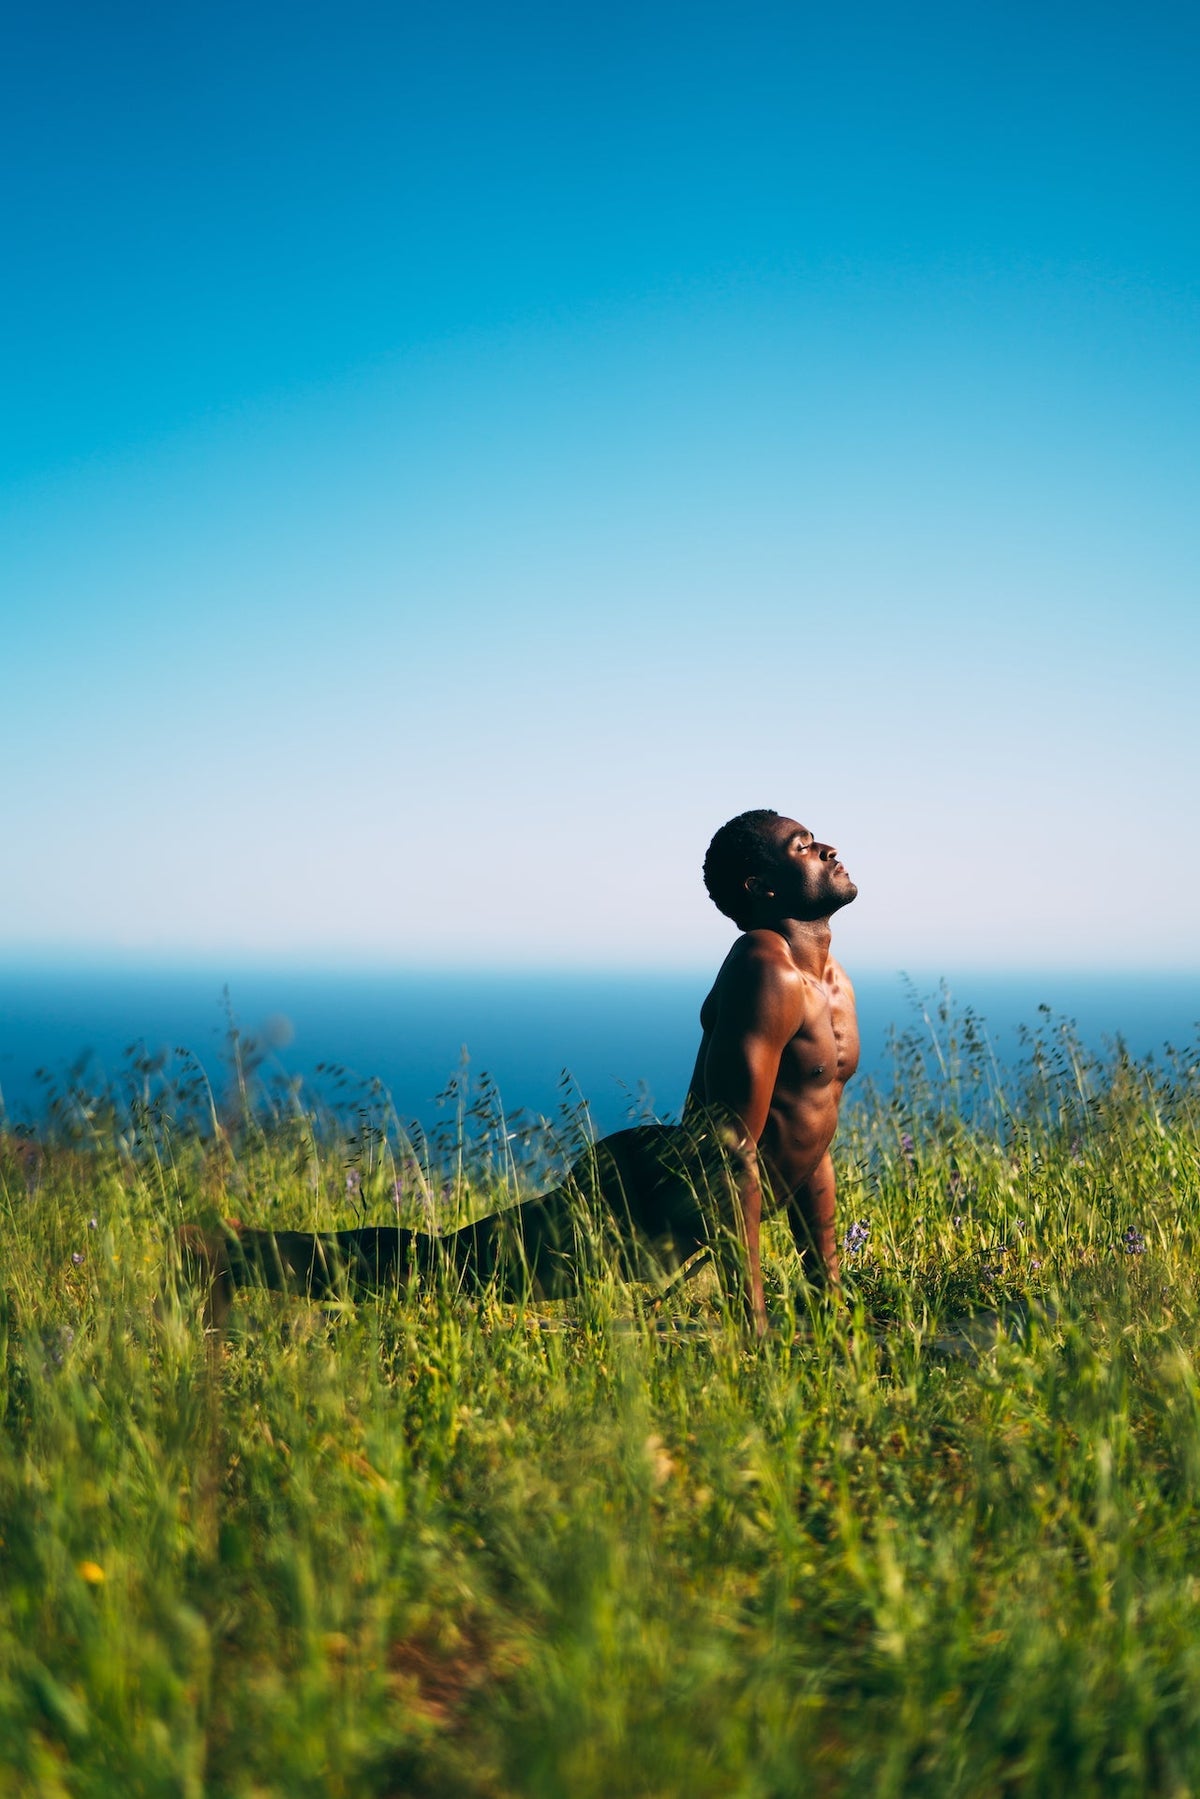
(763, 953)
(759, 976)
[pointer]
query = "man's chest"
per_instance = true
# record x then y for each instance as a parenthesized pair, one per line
(826, 1047)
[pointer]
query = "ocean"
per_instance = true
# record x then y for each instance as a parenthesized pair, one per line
(622, 1040)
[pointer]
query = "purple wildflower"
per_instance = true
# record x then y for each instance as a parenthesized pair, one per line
(76, 1257)
(908, 1149)
(93, 1224)
(856, 1237)
(397, 1193)
(353, 1183)
(1133, 1242)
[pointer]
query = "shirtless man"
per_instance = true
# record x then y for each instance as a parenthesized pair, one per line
(780, 1032)
(780, 1040)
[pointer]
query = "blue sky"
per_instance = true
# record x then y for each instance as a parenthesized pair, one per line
(455, 457)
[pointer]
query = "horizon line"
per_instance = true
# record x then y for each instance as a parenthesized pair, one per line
(45, 962)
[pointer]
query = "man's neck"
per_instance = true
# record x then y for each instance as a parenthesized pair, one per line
(808, 940)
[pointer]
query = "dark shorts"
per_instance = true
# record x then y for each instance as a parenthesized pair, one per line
(651, 1195)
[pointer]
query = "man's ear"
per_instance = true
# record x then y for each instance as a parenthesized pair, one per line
(756, 886)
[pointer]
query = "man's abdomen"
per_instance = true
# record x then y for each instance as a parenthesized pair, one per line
(799, 1131)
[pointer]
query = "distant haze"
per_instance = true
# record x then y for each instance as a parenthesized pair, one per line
(457, 459)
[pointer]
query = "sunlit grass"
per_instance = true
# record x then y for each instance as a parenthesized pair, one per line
(942, 1539)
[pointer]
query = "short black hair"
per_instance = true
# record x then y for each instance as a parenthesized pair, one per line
(745, 846)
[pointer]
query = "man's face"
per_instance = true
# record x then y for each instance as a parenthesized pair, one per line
(808, 880)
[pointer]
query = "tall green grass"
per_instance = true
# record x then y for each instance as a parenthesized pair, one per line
(942, 1538)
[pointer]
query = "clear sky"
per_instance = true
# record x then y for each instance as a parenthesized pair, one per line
(455, 456)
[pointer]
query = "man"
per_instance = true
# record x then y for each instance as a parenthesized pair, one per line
(779, 1042)
(780, 1033)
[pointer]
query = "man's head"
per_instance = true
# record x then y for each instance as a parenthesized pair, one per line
(762, 864)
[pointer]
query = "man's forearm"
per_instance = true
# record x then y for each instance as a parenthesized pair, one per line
(738, 1250)
(750, 1196)
(812, 1216)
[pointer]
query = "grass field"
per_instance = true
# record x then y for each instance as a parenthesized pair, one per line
(420, 1546)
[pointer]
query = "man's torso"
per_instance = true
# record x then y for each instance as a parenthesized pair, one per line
(816, 1062)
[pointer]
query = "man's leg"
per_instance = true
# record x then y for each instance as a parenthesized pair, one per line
(527, 1248)
(811, 1214)
(646, 1189)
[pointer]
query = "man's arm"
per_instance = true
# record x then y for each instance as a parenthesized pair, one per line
(762, 1006)
(810, 1211)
